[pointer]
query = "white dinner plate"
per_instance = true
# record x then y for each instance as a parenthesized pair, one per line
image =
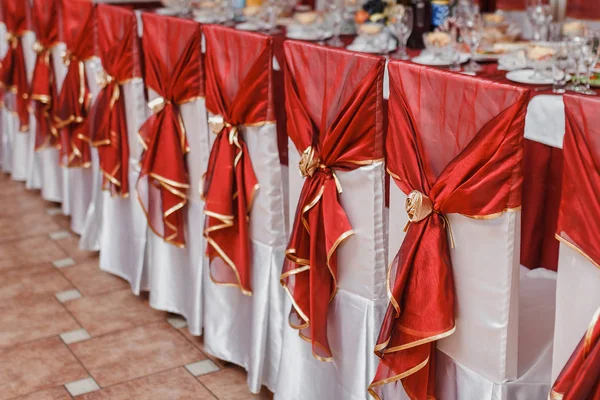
(307, 35)
(524, 76)
(428, 59)
(166, 11)
(248, 26)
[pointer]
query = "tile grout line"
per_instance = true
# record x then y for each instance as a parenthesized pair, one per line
(200, 382)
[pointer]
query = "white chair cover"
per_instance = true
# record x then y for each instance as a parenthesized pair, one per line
(357, 310)
(5, 143)
(34, 159)
(262, 315)
(124, 225)
(577, 299)
(175, 274)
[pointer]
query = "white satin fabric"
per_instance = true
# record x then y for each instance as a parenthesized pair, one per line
(124, 225)
(83, 180)
(175, 275)
(577, 299)
(22, 150)
(5, 117)
(545, 120)
(536, 319)
(62, 184)
(485, 263)
(34, 159)
(227, 312)
(357, 310)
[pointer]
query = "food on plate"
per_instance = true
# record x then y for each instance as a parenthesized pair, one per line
(306, 18)
(540, 53)
(595, 79)
(361, 16)
(370, 28)
(493, 19)
(574, 28)
(251, 11)
(437, 39)
(372, 11)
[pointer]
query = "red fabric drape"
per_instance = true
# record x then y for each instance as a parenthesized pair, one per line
(584, 9)
(43, 86)
(78, 33)
(334, 109)
(580, 378)
(238, 88)
(579, 210)
(118, 48)
(174, 70)
(454, 145)
(13, 74)
(510, 4)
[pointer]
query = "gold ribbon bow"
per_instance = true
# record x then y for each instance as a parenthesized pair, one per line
(67, 57)
(38, 47)
(308, 162)
(216, 124)
(103, 80)
(418, 207)
(12, 39)
(158, 104)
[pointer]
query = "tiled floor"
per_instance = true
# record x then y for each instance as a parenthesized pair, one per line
(69, 330)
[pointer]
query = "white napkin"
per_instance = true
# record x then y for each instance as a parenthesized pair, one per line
(512, 61)
(382, 43)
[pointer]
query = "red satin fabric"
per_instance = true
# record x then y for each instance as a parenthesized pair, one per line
(584, 9)
(334, 104)
(118, 48)
(78, 33)
(238, 88)
(174, 70)
(580, 378)
(13, 75)
(459, 141)
(579, 208)
(43, 85)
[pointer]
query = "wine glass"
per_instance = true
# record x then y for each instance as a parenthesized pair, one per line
(271, 11)
(466, 13)
(335, 15)
(539, 13)
(560, 66)
(472, 33)
(403, 26)
(590, 52)
(575, 48)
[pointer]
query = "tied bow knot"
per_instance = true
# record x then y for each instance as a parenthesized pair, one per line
(38, 47)
(103, 79)
(67, 57)
(158, 104)
(418, 207)
(12, 39)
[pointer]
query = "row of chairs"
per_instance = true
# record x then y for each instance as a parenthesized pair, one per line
(457, 140)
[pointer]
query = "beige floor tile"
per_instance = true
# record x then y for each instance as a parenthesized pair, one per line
(173, 384)
(70, 245)
(31, 281)
(135, 353)
(58, 393)
(113, 311)
(37, 366)
(26, 225)
(230, 384)
(90, 280)
(199, 343)
(27, 252)
(26, 320)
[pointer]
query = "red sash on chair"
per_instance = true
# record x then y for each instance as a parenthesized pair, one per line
(334, 104)
(13, 74)
(578, 228)
(43, 86)
(238, 89)
(454, 145)
(79, 30)
(173, 69)
(118, 50)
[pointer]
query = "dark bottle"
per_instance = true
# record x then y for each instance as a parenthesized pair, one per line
(422, 23)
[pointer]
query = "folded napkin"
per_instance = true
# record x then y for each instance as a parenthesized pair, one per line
(513, 61)
(382, 43)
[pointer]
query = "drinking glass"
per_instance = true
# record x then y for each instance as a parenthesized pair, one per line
(403, 26)
(455, 50)
(574, 47)
(590, 52)
(560, 66)
(539, 14)
(271, 11)
(335, 14)
(471, 33)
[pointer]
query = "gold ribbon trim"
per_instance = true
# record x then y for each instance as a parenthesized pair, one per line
(308, 162)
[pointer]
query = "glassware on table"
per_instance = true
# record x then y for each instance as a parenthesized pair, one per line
(574, 47)
(590, 51)
(539, 14)
(403, 26)
(455, 50)
(439, 44)
(555, 32)
(560, 67)
(271, 9)
(541, 58)
(471, 33)
(370, 31)
(335, 16)
(181, 7)
(466, 13)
